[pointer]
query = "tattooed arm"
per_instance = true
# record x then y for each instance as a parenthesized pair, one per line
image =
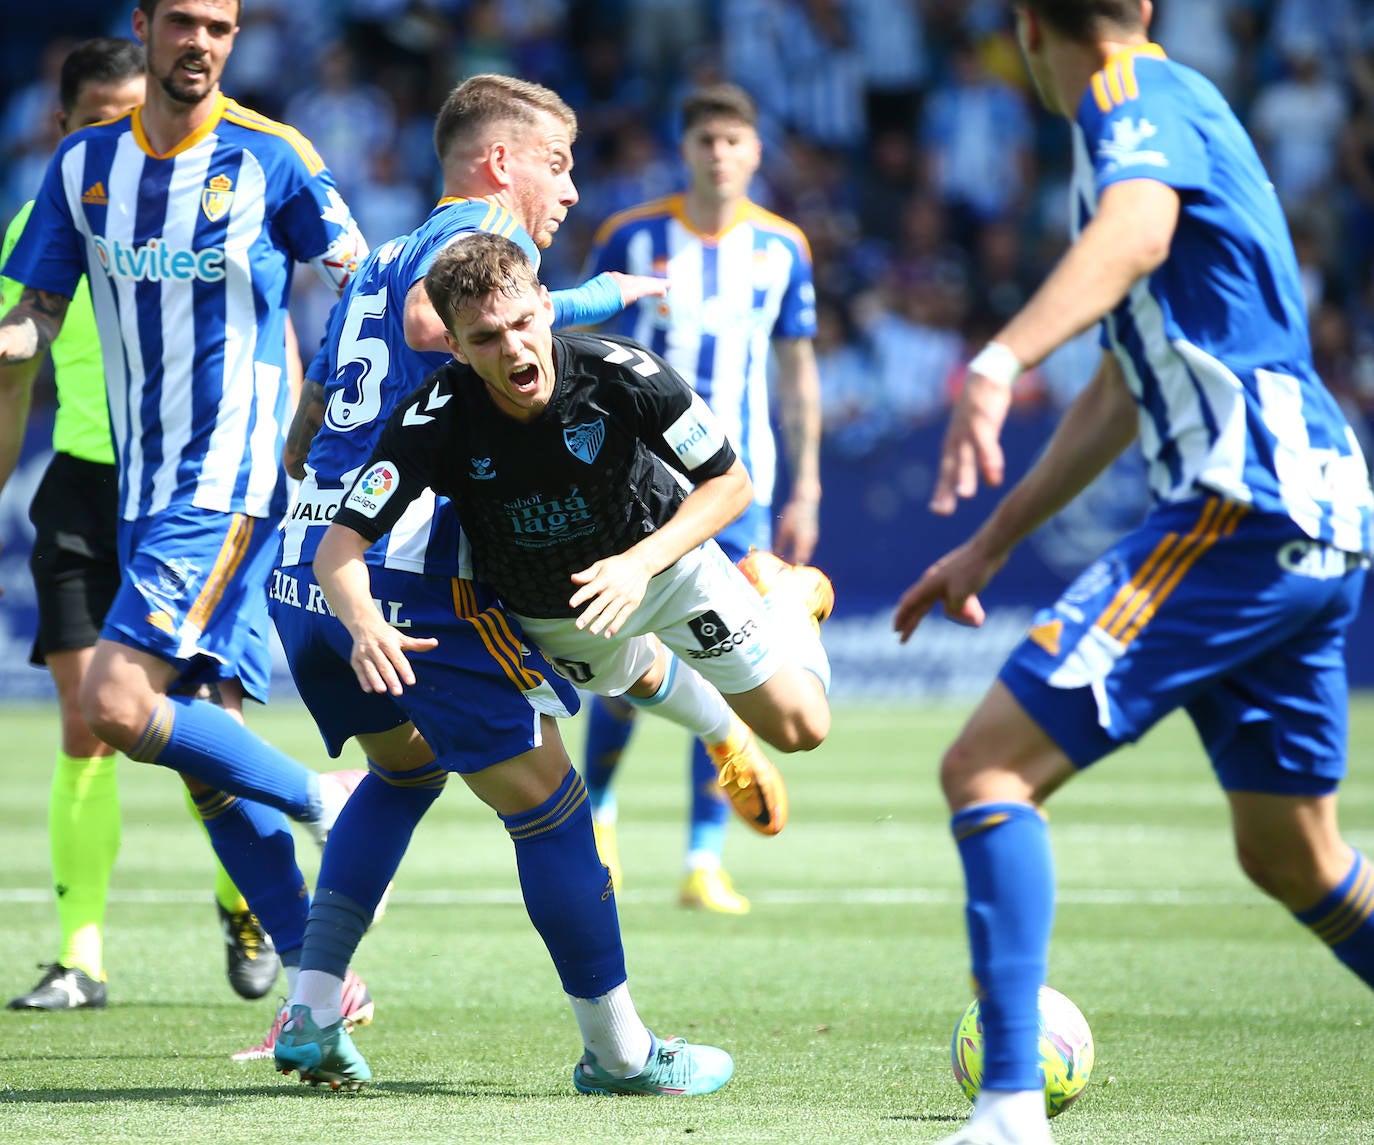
(26, 332)
(304, 425)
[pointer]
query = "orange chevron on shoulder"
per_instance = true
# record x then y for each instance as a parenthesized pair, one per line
(235, 112)
(1116, 83)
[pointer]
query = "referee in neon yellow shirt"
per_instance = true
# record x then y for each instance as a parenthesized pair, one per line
(76, 573)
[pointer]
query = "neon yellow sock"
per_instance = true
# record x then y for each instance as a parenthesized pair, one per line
(83, 833)
(226, 893)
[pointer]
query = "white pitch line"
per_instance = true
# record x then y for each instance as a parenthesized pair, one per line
(875, 896)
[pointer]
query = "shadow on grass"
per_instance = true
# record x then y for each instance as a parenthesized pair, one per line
(214, 1097)
(924, 1118)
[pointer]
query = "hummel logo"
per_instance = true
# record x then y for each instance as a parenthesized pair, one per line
(95, 195)
(435, 399)
(643, 364)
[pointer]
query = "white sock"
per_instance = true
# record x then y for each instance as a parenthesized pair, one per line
(690, 701)
(1013, 1115)
(701, 861)
(612, 1031)
(293, 974)
(322, 992)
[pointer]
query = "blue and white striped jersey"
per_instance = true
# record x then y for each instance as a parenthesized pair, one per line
(367, 369)
(1214, 344)
(731, 293)
(189, 256)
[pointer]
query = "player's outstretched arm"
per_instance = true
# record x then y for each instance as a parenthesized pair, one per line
(1095, 430)
(379, 651)
(1128, 238)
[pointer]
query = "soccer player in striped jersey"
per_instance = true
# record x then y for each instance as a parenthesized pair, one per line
(741, 286)
(186, 217)
(76, 573)
(1231, 601)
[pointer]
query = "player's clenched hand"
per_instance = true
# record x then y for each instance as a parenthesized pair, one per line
(971, 447)
(379, 657)
(611, 589)
(633, 287)
(953, 582)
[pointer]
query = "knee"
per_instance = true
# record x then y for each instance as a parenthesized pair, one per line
(1291, 878)
(802, 730)
(975, 770)
(112, 715)
(955, 775)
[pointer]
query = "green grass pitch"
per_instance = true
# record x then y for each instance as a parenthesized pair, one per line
(1217, 1018)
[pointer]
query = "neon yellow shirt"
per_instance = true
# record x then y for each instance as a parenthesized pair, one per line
(82, 427)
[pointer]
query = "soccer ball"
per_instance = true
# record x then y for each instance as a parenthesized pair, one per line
(1066, 1050)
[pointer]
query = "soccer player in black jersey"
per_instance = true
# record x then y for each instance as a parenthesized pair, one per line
(590, 479)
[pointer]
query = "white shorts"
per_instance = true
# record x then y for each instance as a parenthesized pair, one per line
(701, 607)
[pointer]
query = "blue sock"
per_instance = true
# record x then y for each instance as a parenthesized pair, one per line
(710, 808)
(204, 741)
(337, 924)
(1344, 920)
(609, 726)
(1009, 874)
(373, 831)
(567, 893)
(255, 844)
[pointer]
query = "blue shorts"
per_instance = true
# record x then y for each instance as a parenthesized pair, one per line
(194, 594)
(1237, 617)
(477, 696)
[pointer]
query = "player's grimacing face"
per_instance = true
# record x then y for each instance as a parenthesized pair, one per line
(508, 340)
(722, 154)
(188, 42)
(101, 100)
(542, 185)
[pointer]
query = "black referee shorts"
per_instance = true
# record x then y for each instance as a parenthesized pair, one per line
(75, 559)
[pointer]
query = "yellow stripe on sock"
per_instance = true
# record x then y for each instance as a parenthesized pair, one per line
(215, 804)
(155, 736)
(1352, 913)
(559, 814)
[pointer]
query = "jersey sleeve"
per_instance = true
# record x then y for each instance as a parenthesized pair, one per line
(674, 421)
(49, 254)
(1139, 122)
(318, 225)
(401, 465)
(797, 313)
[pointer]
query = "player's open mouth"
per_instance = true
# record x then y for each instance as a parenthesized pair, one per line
(525, 378)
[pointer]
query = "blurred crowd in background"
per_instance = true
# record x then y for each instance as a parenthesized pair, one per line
(900, 135)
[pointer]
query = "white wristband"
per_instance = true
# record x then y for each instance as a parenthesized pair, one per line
(996, 363)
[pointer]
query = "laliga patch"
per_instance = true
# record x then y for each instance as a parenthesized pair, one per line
(373, 489)
(696, 436)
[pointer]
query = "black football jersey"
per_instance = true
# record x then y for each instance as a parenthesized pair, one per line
(607, 462)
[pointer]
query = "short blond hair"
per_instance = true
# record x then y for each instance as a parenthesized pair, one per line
(483, 100)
